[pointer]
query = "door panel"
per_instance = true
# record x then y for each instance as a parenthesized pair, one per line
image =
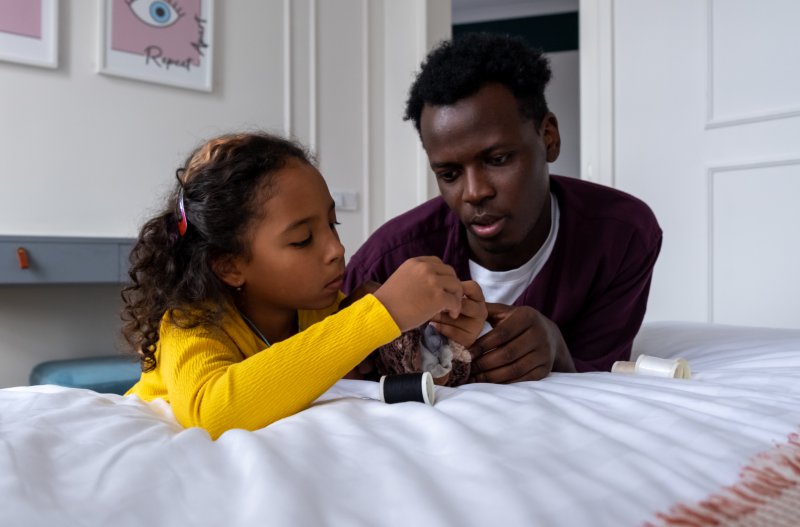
(706, 113)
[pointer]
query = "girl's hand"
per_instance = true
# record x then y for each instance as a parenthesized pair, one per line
(468, 325)
(420, 289)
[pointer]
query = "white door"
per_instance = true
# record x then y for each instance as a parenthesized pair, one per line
(704, 116)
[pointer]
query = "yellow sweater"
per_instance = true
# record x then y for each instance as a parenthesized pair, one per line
(221, 377)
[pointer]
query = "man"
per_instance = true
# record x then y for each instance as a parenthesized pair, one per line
(565, 265)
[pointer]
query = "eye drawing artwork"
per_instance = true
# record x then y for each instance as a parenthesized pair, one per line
(163, 41)
(29, 32)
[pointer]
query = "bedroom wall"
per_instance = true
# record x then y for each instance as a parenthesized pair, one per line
(90, 155)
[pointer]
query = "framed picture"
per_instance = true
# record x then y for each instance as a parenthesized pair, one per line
(163, 41)
(29, 32)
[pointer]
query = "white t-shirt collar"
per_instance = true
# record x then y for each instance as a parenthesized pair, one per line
(506, 286)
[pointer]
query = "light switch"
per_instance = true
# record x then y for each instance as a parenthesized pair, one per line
(345, 200)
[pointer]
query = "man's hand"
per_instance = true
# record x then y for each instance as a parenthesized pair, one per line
(523, 345)
(466, 328)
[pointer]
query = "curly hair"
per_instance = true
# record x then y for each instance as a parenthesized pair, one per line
(458, 68)
(222, 183)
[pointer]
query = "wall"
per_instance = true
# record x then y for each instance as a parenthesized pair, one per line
(563, 98)
(91, 155)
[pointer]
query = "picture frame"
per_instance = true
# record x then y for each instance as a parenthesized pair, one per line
(29, 32)
(161, 41)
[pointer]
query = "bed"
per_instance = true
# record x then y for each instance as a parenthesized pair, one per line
(593, 449)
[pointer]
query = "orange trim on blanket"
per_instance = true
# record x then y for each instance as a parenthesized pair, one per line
(767, 494)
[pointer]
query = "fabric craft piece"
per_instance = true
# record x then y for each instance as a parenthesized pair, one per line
(425, 349)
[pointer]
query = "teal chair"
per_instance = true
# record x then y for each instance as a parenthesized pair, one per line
(112, 374)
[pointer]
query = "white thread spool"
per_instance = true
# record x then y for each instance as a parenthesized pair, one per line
(623, 366)
(655, 367)
(658, 367)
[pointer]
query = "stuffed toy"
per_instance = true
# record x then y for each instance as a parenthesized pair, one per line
(418, 350)
(425, 349)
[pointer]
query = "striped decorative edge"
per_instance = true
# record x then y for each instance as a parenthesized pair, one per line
(767, 494)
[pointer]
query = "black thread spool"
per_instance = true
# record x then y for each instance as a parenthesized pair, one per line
(417, 387)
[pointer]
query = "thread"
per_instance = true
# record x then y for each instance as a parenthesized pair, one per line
(405, 387)
(623, 366)
(658, 367)
(655, 367)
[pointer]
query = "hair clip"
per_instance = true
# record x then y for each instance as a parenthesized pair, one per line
(183, 224)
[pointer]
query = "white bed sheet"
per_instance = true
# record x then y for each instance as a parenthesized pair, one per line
(595, 449)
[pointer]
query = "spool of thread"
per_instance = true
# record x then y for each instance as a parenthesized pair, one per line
(655, 367)
(658, 367)
(623, 366)
(417, 387)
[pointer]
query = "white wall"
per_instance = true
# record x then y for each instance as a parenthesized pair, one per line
(90, 155)
(563, 99)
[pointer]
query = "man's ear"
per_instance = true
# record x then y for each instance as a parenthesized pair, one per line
(228, 269)
(552, 138)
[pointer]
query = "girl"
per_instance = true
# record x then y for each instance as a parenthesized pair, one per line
(233, 303)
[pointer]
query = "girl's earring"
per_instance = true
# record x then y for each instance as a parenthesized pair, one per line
(239, 288)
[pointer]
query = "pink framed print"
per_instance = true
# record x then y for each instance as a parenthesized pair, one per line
(29, 32)
(162, 41)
